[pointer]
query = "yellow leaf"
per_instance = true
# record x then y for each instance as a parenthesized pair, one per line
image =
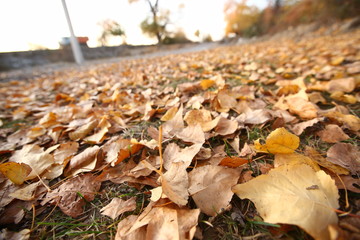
(207, 83)
(15, 172)
(294, 194)
(279, 141)
(346, 98)
(169, 114)
(293, 159)
(337, 61)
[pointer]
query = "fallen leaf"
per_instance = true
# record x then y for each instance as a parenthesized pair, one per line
(299, 128)
(125, 225)
(118, 206)
(175, 183)
(233, 162)
(83, 131)
(345, 155)
(349, 121)
(289, 187)
(301, 107)
(201, 117)
(191, 134)
(332, 134)
(99, 136)
(169, 114)
(9, 235)
(71, 195)
(174, 124)
(28, 192)
(84, 161)
(226, 126)
(15, 172)
(167, 223)
(173, 153)
(343, 85)
(35, 157)
(294, 159)
(346, 98)
(279, 141)
(210, 187)
(257, 116)
(316, 156)
(207, 83)
(65, 152)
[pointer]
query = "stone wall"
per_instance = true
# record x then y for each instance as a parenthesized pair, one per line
(18, 60)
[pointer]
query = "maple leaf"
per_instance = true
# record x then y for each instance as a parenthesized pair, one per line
(285, 192)
(279, 141)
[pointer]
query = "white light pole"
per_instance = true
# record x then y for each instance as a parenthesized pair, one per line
(74, 43)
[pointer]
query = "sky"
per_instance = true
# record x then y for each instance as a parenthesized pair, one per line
(31, 24)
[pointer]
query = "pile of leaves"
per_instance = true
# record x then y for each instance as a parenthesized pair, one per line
(252, 141)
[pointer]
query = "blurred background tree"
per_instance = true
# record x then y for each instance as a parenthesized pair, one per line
(111, 28)
(241, 19)
(246, 21)
(155, 25)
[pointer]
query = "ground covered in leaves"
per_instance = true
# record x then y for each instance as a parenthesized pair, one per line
(256, 141)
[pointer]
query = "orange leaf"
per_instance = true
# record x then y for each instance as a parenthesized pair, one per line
(207, 83)
(233, 161)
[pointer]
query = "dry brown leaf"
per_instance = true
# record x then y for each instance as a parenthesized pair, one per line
(192, 134)
(201, 117)
(226, 126)
(316, 156)
(65, 152)
(118, 206)
(9, 235)
(26, 193)
(175, 183)
(343, 85)
(332, 134)
(84, 161)
(258, 116)
(302, 107)
(83, 131)
(35, 157)
(99, 136)
(67, 197)
(210, 187)
(345, 155)
(125, 225)
(174, 124)
(173, 153)
(168, 223)
(36, 132)
(299, 128)
(349, 121)
(296, 187)
(15, 212)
